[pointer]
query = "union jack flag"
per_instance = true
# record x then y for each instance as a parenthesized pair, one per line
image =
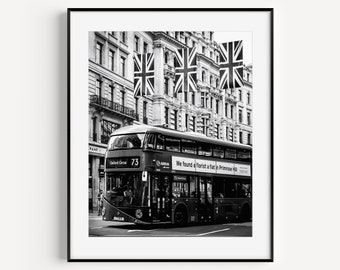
(144, 74)
(231, 64)
(185, 70)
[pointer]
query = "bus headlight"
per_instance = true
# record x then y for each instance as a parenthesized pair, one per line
(139, 213)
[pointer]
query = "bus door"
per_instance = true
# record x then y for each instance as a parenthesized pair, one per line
(205, 199)
(161, 205)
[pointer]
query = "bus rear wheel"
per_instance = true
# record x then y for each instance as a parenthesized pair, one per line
(245, 213)
(180, 216)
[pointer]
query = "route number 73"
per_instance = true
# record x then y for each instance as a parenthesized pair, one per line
(134, 162)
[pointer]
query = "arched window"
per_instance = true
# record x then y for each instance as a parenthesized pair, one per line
(204, 78)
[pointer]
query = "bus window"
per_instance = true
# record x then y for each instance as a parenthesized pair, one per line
(193, 186)
(230, 189)
(218, 151)
(244, 190)
(188, 146)
(230, 153)
(160, 142)
(172, 144)
(204, 149)
(127, 141)
(180, 188)
(149, 141)
(218, 188)
(243, 155)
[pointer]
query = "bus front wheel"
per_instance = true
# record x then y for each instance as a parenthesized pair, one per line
(180, 216)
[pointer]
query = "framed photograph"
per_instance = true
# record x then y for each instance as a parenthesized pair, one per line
(170, 135)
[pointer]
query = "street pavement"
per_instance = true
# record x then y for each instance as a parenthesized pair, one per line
(99, 228)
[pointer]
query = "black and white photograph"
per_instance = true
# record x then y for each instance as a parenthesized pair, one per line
(170, 134)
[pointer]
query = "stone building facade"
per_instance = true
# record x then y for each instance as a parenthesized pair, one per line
(218, 113)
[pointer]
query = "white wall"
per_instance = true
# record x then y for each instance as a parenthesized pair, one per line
(34, 132)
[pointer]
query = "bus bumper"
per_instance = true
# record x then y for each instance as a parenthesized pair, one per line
(112, 213)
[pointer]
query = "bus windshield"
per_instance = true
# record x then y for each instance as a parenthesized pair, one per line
(126, 189)
(127, 141)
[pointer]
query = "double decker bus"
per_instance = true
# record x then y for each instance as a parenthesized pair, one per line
(157, 175)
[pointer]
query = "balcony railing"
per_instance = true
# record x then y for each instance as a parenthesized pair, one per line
(113, 106)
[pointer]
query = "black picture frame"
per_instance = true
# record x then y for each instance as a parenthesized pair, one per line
(270, 11)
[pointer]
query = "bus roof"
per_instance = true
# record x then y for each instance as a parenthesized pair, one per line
(179, 134)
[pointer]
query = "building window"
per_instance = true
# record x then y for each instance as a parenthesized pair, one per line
(136, 44)
(232, 111)
(248, 98)
(240, 116)
(185, 96)
(202, 99)
(217, 106)
(218, 131)
(193, 123)
(241, 137)
(217, 83)
(166, 86)
(211, 102)
(99, 53)
(145, 110)
(211, 55)
(166, 58)
(110, 94)
(187, 122)
(217, 59)
(167, 116)
(122, 97)
(226, 109)
(211, 80)
(186, 40)
(249, 139)
(94, 133)
(240, 95)
(248, 77)
(211, 35)
(145, 47)
(226, 133)
(175, 119)
(122, 65)
(123, 36)
(203, 50)
(98, 88)
(111, 60)
(193, 98)
(248, 118)
(203, 76)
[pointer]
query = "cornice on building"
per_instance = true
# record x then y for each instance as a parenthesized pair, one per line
(163, 36)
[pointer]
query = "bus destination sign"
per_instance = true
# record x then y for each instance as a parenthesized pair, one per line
(123, 162)
(209, 166)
